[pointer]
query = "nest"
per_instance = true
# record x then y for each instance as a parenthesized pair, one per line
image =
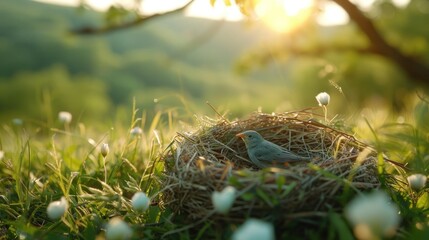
(213, 157)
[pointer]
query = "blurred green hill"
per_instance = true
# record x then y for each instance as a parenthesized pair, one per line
(175, 63)
(41, 60)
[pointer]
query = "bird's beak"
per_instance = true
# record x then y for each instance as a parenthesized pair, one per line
(240, 135)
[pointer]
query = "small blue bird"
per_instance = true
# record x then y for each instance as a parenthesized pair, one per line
(264, 153)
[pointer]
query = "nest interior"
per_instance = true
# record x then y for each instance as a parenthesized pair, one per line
(213, 157)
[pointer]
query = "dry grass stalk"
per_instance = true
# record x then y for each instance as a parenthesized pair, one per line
(213, 158)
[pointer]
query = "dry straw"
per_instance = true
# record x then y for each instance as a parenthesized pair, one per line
(212, 158)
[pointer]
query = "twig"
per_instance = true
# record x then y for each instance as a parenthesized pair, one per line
(137, 21)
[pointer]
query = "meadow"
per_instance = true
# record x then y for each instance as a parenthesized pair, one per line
(42, 164)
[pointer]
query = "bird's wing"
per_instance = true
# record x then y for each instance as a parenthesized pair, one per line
(270, 152)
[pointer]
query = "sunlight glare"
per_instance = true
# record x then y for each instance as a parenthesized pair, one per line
(284, 15)
(280, 15)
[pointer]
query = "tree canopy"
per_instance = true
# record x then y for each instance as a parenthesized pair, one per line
(376, 31)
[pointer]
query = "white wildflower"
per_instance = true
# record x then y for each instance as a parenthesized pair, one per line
(104, 150)
(254, 229)
(417, 181)
(17, 121)
(140, 201)
(117, 229)
(222, 201)
(323, 99)
(64, 117)
(57, 209)
(136, 131)
(372, 216)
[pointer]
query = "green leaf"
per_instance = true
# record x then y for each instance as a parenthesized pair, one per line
(281, 181)
(243, 173)
(203, 230)
(233, 181)
(324, 172)
(115, 14)
(288, 189)
(340, 226)
(263, 196)
(248, 196)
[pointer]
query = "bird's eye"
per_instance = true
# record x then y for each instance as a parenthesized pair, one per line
(250, 136)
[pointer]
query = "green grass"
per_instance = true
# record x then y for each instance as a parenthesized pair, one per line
(39, 168)
(41, 164)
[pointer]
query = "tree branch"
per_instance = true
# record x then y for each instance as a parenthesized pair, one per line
(416, 70)
(139, 20)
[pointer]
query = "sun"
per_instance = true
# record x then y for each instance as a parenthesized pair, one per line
(284, 15)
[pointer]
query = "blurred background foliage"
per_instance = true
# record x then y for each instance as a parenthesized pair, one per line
(238, 68)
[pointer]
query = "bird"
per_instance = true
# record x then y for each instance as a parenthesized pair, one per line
(264, 153)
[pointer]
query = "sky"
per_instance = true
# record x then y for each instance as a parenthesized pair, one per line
(281, 15)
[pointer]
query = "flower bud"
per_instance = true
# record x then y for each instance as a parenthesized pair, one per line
(254, 229)
(104, 150)
(140, 201)
(57, 209)
(323, 99)
(417, 181)
(64, 117)
(136, 131)
(117, 229)
(222, 201)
